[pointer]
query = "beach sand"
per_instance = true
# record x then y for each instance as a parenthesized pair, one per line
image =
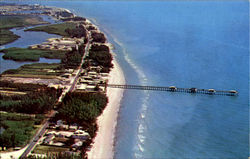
(103, 143)
(13, 154)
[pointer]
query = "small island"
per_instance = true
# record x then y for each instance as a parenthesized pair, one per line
(52, 109)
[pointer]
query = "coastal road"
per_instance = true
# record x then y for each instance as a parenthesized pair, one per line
(35, 139)
(42, 130)
(86, 53)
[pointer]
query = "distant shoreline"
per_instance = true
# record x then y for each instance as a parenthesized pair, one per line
(103, 144)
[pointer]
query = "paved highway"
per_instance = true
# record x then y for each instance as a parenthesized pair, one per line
(46, 124)
(35, 139)
(86, 53)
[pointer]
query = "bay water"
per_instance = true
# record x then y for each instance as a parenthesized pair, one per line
(26, 39)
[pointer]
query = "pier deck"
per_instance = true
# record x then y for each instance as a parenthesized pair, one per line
(175, 89)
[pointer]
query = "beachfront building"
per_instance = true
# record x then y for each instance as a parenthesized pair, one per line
(59, 44)
(92, 80)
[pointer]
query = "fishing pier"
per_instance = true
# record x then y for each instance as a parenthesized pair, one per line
(175, 89)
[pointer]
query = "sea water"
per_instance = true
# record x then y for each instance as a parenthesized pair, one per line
(202, 44)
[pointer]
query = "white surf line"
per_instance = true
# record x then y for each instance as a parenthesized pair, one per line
(143, 80)
(142, 126)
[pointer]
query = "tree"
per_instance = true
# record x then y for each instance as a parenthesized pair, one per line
(82, 107)
(98, 37)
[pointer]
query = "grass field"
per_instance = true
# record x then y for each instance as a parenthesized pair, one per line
(13, 21)
(41, 66)
(11, 92)
(7, 36)
(43, 70)
(43, 149)
(19, 128)
(27, 54)
(29, 76)
(58, 29)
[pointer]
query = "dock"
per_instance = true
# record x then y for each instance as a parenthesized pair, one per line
(176, 89)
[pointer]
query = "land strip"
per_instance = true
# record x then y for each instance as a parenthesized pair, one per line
(28, 54)
(81, 76)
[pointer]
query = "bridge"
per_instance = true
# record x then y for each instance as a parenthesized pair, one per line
(175, 89)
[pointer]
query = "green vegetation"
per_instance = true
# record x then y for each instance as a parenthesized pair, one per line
(38, 100)
(58, 29)
(67, 29)
(7, 36)
(73, 58)
(27, 54)
(78, 31)
(13, 21)
(19, 117)
(21, 86)
(29, 76)
(44, 149)
(101, 54)
(53, 69)
(91, 28)
(98, 37)
(61, 155)
(82, 108)
(18, 128)
(74, 19)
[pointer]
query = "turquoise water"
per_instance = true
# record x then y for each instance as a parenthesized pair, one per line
(201, 44)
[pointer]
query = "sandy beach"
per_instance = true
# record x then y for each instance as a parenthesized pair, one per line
(103, 142)
(13, 154)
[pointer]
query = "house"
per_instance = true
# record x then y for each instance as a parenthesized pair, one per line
(104, 74)
(48, 139)
(90, 88)
(51, 133)
(92, 73)
(59, 122)
(66, 75)
(63, 134)
(80, 134)
(81, 137)
(52, 125)
(102, 88)
(60, 135)
(95, 68)
(77, 144)
(81, 87)
(73, 127)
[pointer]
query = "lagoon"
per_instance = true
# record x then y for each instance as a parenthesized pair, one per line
(26, 39)
(10, 64)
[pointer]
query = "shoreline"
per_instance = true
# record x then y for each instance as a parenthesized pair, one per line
(103, 143)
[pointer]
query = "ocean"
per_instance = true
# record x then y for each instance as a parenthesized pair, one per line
(202, 44)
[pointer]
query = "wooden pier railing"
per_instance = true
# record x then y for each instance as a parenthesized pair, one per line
(175, 89)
